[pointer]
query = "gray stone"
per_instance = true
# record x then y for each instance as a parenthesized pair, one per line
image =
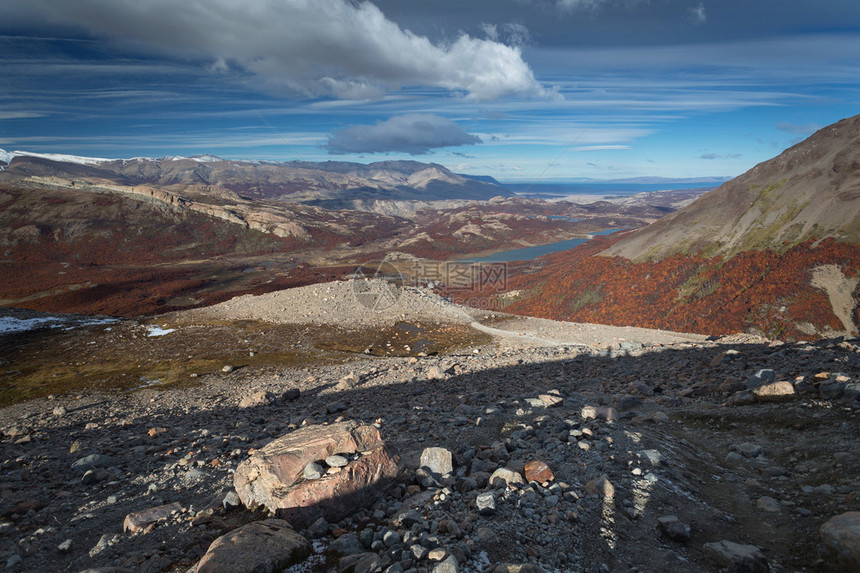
(231, 500)
(768, 504)
(486, 503)
(506, 477)
(736, 558)
(313, 471)
(365, 536)
(257, 399)
(269, 545)
(841, 537)
(336, 461)
(654, 457)
(347, 544)
(749, 450)
(65, 546)
(435, 373)
(624, 402)
(319, 528)
(348, 382)
(852, 391)
(93, 461)
(447, 565)
(674, 528)
(763, 376)
(360, 563)
(601, 487)
(419, 551)
(409, 518)
(139, 520)
(465, 484)
(193, 476)
(438, 461)
(104, 542)
(390, 538)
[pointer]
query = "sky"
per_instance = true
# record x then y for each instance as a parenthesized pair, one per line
(522, 90)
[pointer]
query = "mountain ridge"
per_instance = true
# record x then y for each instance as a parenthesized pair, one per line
(299, 181)
(811, 190)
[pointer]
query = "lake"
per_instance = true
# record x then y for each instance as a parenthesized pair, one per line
(530, 253)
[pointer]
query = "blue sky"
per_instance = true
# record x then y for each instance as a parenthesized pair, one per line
(523, 90)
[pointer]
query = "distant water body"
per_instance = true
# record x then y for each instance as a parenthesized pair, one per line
(530, 253)
(601, 189)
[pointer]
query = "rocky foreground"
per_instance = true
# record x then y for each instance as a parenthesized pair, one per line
(612, 453)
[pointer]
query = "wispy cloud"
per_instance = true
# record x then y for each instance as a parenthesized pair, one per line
(20, 115)
(698, 14)
(714, 156)
(326, 47)
(415, 134)
(592, 6)
(600, 147)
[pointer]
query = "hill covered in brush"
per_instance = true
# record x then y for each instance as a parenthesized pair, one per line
(774, 251)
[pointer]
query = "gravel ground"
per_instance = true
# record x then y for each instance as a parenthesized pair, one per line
(667, 419)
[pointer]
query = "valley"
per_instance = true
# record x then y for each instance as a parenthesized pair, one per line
(139, 237)
(680, 394)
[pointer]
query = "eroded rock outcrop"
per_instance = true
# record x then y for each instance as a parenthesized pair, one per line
(273, 477)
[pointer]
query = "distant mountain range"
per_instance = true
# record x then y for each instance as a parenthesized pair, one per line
(297, 181)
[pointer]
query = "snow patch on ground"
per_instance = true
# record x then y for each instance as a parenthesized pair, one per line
(11, 324)
(158, 331)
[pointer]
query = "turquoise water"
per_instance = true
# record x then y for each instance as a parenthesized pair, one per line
(530, 253)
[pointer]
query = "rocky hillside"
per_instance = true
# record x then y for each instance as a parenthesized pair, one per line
(543, 447)
(811, 190)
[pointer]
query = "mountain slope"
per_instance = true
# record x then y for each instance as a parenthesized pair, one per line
(774, 252)
(810, 190)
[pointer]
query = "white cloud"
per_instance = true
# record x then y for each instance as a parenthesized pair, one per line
(414, 133)
(713, 156)
(319, 47)
(580, 5)
(592, 6)
(20, 114)
(698, 14)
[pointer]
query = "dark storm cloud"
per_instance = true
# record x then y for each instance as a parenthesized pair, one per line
(413, 133)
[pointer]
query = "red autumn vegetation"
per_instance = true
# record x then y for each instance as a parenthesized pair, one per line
(755, 290)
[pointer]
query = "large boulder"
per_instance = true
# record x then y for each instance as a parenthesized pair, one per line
(269, 545)
(841, 536)
(273, 477)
